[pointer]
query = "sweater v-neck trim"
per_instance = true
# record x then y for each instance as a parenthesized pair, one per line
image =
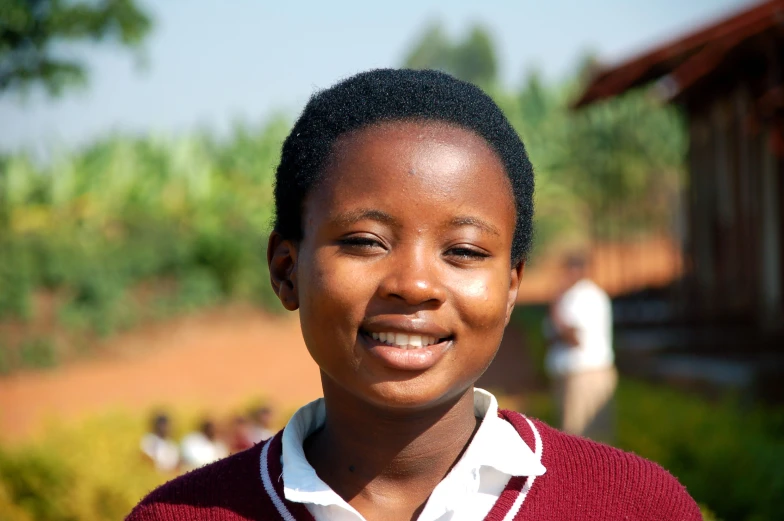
(506, 507)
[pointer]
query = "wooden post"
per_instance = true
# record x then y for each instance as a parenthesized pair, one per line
(770, 254)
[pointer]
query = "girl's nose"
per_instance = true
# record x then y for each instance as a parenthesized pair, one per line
(414, 279)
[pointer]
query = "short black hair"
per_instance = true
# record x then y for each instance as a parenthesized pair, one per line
(383, 95)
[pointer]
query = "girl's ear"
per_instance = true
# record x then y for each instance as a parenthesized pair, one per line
(282, 262)
(514, 286)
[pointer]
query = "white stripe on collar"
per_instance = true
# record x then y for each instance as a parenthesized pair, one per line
(530, 481)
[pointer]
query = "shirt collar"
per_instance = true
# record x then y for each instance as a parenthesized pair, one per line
(496, 444)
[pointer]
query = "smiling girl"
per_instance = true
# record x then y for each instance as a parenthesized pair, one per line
(403, 219)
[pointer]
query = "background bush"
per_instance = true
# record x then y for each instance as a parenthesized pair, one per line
(128, 230)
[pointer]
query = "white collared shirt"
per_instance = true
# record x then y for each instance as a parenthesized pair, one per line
(467, 493)
(586, 307)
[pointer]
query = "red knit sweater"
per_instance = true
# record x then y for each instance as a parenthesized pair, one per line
(584, 481)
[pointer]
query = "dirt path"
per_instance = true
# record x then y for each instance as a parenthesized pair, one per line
(212, 360)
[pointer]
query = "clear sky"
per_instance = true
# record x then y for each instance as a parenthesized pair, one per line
(209, 63)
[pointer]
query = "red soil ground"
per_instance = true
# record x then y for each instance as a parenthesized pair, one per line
(213, 360)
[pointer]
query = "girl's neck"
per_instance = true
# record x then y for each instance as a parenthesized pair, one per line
(365, 453)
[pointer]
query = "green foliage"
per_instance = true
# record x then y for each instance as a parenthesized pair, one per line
(729, 457)
(609, 171)
(30, 30)
(73, 473)
(707, 514)
(473, 59)
(38, 482)
(38, 353)
(529, 320)
(135, 229)
(16, 281)
(6, 362)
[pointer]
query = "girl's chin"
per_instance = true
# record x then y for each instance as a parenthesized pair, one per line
(375, 387)
(412, 395)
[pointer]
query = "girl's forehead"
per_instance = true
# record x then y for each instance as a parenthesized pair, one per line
(413, 168)
(419, 146)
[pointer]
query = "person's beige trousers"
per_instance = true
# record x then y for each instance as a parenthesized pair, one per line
(585, 403)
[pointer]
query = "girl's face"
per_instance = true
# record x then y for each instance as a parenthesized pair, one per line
(403, 278)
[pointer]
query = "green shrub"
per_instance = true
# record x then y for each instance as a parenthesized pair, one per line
(38, 353)
(93, 472)
(16, 282)
(6, 361)
(95, 225)
(38, 482)
(198, 287)
(9, 509)
(729, 457)
(529, 319)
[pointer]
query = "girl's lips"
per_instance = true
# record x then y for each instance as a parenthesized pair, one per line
(396, 357)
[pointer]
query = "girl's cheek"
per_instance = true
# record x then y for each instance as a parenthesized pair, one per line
(481, 301)
(340, 282)
(474, 289)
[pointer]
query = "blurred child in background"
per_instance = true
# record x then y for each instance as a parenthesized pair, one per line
(202, 447)
(241, 436)
(158, 446)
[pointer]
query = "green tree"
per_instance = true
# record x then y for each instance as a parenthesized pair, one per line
(626, 158)
(610, 171)
(432, 50)
(472, 59)
(32, 30)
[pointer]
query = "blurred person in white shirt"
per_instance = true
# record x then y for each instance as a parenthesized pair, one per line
(158, 446)
(580, 360)
(202, 447)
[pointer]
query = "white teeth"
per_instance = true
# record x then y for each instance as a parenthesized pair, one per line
(404, 340)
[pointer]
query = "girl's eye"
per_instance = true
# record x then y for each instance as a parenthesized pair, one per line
(361, 243)
(466, 253)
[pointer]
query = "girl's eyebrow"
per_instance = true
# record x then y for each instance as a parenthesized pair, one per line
(362, 214)
(466, 220)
